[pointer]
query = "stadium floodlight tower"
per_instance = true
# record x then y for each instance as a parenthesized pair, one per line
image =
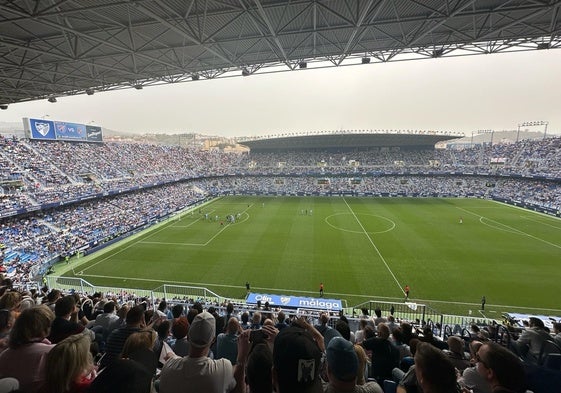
(533, 124)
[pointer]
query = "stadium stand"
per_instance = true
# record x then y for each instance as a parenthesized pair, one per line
(54, 194)
(62, 198)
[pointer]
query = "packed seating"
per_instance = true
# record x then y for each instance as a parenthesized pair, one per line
(55, 195)
(121, 342)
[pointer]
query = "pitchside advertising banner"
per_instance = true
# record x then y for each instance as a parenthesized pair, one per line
(61, 130)
(295, 302)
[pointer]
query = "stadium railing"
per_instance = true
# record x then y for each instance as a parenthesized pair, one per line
(418, 314)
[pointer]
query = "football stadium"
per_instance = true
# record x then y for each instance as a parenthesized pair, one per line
(420, 247)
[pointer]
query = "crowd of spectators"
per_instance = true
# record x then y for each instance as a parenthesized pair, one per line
(36, 173)
(76, 194)
(52, 341)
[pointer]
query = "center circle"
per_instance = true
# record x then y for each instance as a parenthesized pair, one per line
(371, 223)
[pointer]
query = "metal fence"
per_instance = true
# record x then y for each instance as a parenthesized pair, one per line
(416, 313)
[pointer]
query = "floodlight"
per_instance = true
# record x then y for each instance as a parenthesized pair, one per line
(52, 99)
(3, 106)
(303, 65)
(138, 86)
(90, 92)
(365, 60)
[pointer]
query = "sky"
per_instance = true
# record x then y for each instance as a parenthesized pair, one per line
(460, 94)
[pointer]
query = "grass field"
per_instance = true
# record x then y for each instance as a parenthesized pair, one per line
(360, 248)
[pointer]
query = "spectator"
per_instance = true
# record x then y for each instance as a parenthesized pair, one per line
(428, 337)
(139, 346)
(281, 321)
(530, 341)
(108, 317)
(226, 318)
(66, 321)
(227, 343)
(296, 362)
(342, 369)
(123, 376)
(344, 330)
(471, 378)
(198, 373)
(259, 366)
(359, 334)
(6, 322)
(116, 340)
(456, 353)
(398, 341)
(557, 333)
(163, 330)
(25, 357)
(177, 311)
(435, 373)
(69, 366)
(379, 319)
(179, 330)
(385, 356)
(121, 319)
(326, 331)
(362, 365)
(501, 368)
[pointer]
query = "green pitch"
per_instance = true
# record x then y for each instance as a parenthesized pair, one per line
(360, 248)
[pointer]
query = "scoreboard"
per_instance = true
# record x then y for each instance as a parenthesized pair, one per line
(61, 130)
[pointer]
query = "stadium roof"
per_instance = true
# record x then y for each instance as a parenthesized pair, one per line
(57, 48)
(348, 140)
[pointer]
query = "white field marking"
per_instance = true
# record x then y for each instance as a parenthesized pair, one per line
(499, 227)
(246, 217)
(540, 222)
(125, 248)
(364, 214)
(164, 281)
(140, 240)
(528, 211)
(374, 245)
(188, 225)
(332, 294)
(518, 231)
(175, 244)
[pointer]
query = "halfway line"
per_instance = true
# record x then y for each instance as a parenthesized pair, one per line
(373, 245)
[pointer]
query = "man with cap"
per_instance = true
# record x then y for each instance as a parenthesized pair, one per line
(197, 372)
(296, 362)
(342, 369)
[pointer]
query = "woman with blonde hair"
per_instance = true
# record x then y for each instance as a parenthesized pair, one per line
(70, 367)
(362, 364)
(140, 347)
(27, 348)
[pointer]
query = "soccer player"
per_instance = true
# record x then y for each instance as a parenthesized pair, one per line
(320, 289)
(407, 292)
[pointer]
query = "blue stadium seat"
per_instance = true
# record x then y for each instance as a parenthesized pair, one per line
(548, 348)
(389, 386)
(553, 361)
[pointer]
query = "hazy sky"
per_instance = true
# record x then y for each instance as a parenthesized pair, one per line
(462, 94)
